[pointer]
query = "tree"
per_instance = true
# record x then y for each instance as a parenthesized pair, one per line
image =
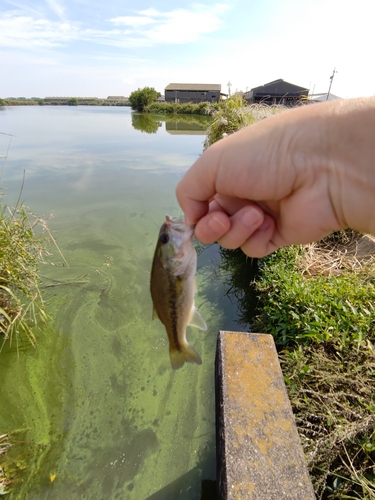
(141, 98)
(73, 101)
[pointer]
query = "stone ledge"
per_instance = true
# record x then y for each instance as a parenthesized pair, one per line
(259, 455)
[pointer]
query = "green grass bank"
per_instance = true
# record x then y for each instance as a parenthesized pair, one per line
(317, 301)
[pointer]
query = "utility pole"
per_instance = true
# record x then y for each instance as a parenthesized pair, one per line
(330, 84)
(229, 86)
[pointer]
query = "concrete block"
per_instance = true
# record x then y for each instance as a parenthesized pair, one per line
(259, 454)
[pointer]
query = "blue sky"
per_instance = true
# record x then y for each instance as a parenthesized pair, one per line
(100, 48)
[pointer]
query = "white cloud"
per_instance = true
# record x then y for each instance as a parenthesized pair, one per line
(182, 25)
(27, 32)
(57, 8)
(27, 29)
(176, 26)
(149, 12)
(132, 20)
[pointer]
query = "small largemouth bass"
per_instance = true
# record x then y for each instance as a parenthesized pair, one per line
(173, 288)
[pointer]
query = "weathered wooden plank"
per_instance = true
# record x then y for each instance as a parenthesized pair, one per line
(259, 455)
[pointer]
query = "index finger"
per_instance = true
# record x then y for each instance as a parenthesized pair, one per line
(197, 187)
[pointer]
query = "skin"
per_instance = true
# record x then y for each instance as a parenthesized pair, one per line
(292, 178)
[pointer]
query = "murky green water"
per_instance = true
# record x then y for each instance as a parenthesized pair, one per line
(103, 408)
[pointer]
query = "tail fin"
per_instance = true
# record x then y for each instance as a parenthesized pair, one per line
(187, 354)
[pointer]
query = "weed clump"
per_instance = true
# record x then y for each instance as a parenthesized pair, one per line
(333, 400)
(21, 253)
(10, 466)
(233, 115)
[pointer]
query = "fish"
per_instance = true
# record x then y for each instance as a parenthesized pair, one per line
(173, 288)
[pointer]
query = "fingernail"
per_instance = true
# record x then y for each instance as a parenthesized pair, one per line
(216, 225)
(252, 217)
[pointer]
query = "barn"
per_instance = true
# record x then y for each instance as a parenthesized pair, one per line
(192, 92)
(277, 92)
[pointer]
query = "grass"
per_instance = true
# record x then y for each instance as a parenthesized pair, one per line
(233, 114)
(333, 400)
(317, 293)
(23, 248)
(318, 302)
(21, 253)
(10, 466)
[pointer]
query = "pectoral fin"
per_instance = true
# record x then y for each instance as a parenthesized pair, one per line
(197, 320)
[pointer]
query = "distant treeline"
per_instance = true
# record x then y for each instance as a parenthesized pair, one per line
(71, 101)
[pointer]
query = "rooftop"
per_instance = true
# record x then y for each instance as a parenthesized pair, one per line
(194, 86)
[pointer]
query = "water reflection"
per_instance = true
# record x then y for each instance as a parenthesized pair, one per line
(185, 128)
(146, 122)
(238, 273)
(174, 123)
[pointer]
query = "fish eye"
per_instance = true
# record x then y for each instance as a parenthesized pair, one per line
(164, 238)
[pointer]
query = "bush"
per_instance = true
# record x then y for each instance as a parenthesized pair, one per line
(191, 108)
(231, 116)
(141, 98)
(73, 101)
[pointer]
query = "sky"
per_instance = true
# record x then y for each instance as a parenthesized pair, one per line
(99, 48)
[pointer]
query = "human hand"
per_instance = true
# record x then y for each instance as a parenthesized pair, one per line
(285, 180)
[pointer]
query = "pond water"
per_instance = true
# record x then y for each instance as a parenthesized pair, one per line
(101, 407)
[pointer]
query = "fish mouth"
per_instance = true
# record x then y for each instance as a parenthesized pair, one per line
(178, 224)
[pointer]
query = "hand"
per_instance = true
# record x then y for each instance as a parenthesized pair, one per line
(285, 180)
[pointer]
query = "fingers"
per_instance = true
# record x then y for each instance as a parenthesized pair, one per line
(249, 228)
(243, 225)
(212, 227)
(230, 231)
(261, 242)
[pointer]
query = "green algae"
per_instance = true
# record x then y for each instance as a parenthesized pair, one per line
(106, 415)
